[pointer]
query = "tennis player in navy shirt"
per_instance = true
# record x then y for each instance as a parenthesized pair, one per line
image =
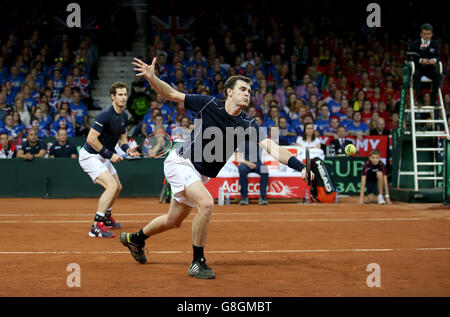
(95, 159)
(189, 167)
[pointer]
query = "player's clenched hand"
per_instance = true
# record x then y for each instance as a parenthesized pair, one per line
(116, 158)
(132, 151)
(143, 69)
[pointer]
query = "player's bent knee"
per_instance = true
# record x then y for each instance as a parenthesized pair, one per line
(206, 207)
(112, 186)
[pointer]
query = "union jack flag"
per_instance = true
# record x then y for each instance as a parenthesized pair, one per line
(173, 24)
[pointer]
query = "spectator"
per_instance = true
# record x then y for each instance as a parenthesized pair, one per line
(138, 102)
(23, 113)
(81, 114)
(374, 178)
(7, 148)
(70, 115)
(58, 82)
(331, 130)
(382, 111)
(65, 96)
(335, 103)
(38, 123)
(182, 132)
(366, 113)
(63, 121)
(324, 118)
(4, 108)
(272, 117)
(359, 100)
(308, 139)
(63, 148)
(32, 148)
(8, 127)
(374, 120)
(18, 126)
(380, 128)
(287, 134)
(30, 97)
(249, 164)
(281, 95)
(357, 127)
(158, 121)
(338, 145)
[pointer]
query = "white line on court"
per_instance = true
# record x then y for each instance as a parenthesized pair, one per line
(229, 220)
(217, 213)
(228, 251)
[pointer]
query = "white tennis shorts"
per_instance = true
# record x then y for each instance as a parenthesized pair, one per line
(95, 164)
(180, 173)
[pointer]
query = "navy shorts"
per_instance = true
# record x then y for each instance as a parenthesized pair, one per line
(371, 187)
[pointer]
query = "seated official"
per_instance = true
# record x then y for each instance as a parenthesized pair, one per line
(250, 162)
(7, 148)
(62, 148)
(426, 62)
(338, 145)
(32, 148)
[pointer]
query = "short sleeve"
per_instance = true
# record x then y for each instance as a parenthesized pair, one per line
(100, 121)
(52, 150)
(383, 168)
(73, 150)
(125, 123)
(364, 170)
(196, 102)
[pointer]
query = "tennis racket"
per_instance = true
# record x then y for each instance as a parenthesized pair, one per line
(308, 167)
(156, 144)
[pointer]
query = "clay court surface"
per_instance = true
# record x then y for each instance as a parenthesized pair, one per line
(285, 249)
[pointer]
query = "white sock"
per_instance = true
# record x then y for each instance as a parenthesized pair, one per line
(101, 214)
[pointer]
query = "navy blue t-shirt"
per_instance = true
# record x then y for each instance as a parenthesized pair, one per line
(111, 126)
(216, 137)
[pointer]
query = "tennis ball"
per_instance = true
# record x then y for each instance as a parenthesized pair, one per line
(350, 150)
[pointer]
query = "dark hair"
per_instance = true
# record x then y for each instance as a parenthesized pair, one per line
(355, 112)
(426, 27)
(231, 82)
(117, 85)
(313, 137)
(341, 126)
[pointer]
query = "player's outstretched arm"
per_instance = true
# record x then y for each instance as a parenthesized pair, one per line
(284, 156)
(162, 88)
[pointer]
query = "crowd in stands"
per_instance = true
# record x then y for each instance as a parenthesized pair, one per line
(332, 80)
(302, 73)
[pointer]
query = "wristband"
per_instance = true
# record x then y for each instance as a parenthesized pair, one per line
(104, 152)
(295, 164)
(386, 195)
(125, 147)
